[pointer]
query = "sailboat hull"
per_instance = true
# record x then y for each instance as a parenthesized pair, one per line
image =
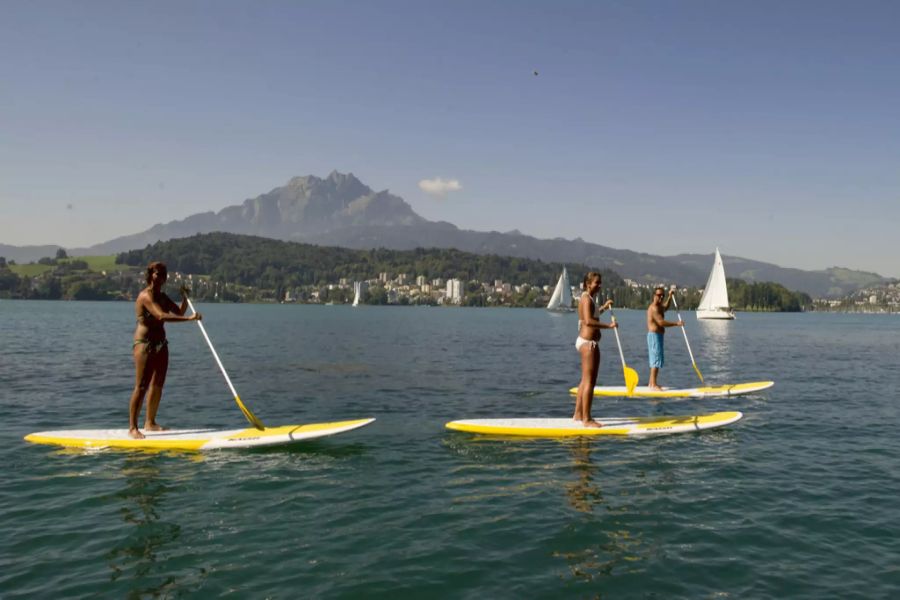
(722, 315)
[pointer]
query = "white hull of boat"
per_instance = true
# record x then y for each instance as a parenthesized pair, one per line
(721, 314)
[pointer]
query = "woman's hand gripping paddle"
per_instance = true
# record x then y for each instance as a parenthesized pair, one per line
(250, 416)
(631, 376)
(687, 343)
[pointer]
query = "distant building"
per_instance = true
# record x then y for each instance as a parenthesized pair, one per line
(383, 277)
(421, 281)
(454, 291)
(401, 279)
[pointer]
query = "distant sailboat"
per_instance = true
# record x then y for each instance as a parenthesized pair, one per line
(357, 292)
(714, 301)
(561, 300)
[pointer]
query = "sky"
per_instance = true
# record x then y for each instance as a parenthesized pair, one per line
(768, 129)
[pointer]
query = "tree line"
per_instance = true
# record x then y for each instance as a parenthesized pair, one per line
(231, 267)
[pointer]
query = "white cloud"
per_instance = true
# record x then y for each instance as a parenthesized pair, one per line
(439, 187)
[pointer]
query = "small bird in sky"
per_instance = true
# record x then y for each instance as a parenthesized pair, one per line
(535, 73)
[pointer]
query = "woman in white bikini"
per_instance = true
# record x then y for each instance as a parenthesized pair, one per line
(150, 348)
(588, 347)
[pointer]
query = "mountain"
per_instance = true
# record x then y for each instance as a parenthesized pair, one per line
(26, 254)
(340, 210)
(304, 206)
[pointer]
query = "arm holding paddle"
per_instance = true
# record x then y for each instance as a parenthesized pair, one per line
(587, 316)
(167, 311)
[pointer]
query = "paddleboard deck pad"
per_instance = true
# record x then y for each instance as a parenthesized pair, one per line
(627, 426)
(717, 391)
(194, 439)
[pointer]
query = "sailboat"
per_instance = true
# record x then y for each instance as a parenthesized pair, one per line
(357, 292)
(714, 301)
(561, 300)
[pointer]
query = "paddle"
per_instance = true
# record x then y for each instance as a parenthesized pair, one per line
(687, 343)
(250, 416)
(631, 376)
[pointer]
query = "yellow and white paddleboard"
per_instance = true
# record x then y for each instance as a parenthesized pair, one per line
(716, 391)
(194, 439)
(631, 426)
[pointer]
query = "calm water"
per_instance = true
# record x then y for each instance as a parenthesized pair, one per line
(799, 499)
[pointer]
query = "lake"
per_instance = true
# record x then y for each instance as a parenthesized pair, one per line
(798, 499)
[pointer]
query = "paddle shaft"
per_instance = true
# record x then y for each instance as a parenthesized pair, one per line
(686, 342)
(250, 416)
(631, 377)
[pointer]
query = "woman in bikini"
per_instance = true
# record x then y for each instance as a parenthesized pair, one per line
(150, 348)
(588, 346)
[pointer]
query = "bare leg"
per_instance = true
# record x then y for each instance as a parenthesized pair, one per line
(586, 366)
(653, 385)
(594, 368)
(577, 415)
(158, 380)
(141, 380)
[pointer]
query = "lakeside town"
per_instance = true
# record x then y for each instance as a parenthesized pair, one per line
(65, 278)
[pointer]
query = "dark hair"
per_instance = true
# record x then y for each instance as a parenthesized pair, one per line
(154, 267)
(590, 277)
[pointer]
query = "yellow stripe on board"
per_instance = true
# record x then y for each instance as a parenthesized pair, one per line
(717, 390)
(146, 443)
(635, 426)
(183, 442)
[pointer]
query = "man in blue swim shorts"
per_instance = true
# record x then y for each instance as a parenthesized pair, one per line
(656, 329)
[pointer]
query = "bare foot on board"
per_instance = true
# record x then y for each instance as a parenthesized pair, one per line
(154, 427)
(591, 423)
(136, 434)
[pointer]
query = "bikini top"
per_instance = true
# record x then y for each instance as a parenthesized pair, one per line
(593, 306)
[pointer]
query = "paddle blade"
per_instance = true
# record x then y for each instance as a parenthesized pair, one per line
(700, 375)
(631, 380)
(250, 416)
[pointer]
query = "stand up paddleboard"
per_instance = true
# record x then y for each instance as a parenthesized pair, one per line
(629, 426)
(715, 391)
(194, 439)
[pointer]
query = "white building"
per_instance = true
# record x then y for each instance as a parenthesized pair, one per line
(454, 291)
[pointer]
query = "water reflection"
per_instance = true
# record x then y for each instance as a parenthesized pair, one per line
(583, 493)
(137, 561)
(613, 545)
(717, 338)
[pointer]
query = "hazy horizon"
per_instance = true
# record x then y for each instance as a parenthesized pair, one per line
(768, 130)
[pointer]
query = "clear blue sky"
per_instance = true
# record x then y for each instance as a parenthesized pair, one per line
(770, 129)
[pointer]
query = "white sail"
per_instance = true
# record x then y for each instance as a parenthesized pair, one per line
(561, 300)
(714, 301)
(357, 292)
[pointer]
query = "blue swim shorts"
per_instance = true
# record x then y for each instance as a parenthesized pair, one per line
(655, 350)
